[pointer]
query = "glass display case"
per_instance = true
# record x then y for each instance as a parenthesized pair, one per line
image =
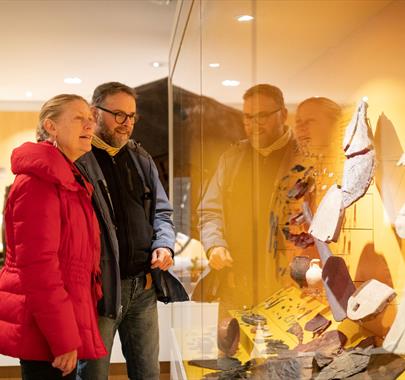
(286, 122)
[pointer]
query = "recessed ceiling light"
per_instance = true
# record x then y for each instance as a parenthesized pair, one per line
(244, 18)
(230, 83)
(28, 94)
(156, 64)
(214, 65)
(72, 80)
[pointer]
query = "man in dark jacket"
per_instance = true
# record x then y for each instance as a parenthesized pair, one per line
(137, 234)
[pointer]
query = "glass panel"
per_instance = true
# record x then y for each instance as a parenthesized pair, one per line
(186, 91)
(289, 179)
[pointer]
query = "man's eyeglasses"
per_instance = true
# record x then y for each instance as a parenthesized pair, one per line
(120, 116)
(260, 118)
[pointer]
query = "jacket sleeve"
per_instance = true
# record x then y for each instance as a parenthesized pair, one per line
(211, 212)
(163, 227)
(37, 231)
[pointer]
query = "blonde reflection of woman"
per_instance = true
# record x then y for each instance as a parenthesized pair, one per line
(49, 285)
(318, 130)
(317, 125)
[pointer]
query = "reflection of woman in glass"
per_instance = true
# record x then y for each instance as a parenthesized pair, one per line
(316, 124)
(319, 133)
(49, 284)
(318, 130)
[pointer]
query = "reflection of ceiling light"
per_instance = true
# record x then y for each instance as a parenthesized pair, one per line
(28, 94)
(72, 80)
(230, 83)
(244, 18)
(365, 98)
(214, 65)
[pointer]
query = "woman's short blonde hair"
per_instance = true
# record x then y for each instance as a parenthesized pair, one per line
(326, 105)
(52, 109)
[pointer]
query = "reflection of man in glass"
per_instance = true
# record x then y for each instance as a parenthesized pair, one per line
(235, 208)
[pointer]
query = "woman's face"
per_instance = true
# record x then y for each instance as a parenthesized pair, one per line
(74, 129)
(313, 127)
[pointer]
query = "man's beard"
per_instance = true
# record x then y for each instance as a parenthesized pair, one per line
(116, 141)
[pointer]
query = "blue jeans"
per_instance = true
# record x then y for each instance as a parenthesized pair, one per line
(138, 328)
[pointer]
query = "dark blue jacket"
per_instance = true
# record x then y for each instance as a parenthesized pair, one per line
(156, 204)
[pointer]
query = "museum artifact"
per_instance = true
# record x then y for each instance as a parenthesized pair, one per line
(382, 366)
(298, 269)
(330, 343)
(239, 372)
(328, 218)
(283, 368)
(296, 330)
(253, 319)
(369, 299)
(359, 166)
(346, 364)
(357, 176)
(300, 188)
(314, 273)
(228, 335)
(259, 343)
(395, 338)
(335, 275)
(317, 325)
(358, 136)
(301, 240)
(274, 346)
(221, 364)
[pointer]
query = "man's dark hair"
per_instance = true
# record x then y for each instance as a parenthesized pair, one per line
(110, 88)
(268, 90)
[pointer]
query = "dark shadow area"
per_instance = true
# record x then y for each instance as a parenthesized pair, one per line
(203, 129)
(221, 126)
(373, 265)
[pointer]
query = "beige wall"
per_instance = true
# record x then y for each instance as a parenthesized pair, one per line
(15, 128)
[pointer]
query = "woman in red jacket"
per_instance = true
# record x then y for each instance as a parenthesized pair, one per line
(49, 285)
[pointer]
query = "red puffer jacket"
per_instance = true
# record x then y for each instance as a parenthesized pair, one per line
(48, 286)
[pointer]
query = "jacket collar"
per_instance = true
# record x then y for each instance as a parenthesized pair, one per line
(44, 161)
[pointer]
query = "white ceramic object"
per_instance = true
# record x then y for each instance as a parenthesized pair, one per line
(358, 173)
(395, 340)
(314, 273)
(358, 136)
(327, 221)
(369, 299)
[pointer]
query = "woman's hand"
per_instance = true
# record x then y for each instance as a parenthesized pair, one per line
(66, 362)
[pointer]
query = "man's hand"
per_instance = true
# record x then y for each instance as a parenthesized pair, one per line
(162, 259)
(66, 362)
(220, 258)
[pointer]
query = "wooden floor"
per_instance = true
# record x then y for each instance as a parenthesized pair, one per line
(118, 372)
